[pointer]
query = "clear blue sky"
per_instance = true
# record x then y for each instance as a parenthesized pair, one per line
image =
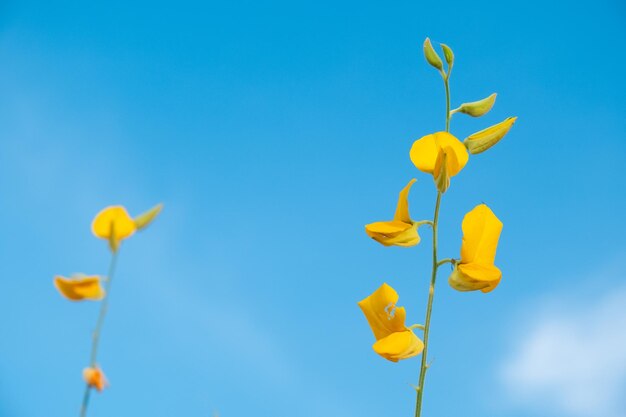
(272, 132)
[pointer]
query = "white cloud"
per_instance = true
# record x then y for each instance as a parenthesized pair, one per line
(572, 359)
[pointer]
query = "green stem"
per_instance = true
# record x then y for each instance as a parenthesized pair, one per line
(431, 291)
(447, 84)
(104, 306)
(446, 261)
(429, 307)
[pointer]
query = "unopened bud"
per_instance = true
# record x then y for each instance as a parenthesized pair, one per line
(485, 139)
(448, 54)
(144, 219)
(477, 108)
(431, 56)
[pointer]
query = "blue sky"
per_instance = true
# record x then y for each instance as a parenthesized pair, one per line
(272, 132)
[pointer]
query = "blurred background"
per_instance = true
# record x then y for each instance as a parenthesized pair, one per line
(273, 131)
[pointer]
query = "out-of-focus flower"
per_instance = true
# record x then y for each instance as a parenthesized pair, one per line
(115, 224)
(394, 341)
(426, 150)
(401, 231)
(94, 377)
(476, 270)
(80, 287)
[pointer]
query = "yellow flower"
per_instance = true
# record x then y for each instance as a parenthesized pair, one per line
(80, 287)
(476, 271)
(114, 224)
(394, 341)
(401, 231)
(94, 377)
(425, 152)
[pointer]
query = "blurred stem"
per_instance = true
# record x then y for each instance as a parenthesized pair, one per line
(431, 291)
(104, 306)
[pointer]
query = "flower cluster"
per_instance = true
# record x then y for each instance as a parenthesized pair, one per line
(113, 224)
(443, 156)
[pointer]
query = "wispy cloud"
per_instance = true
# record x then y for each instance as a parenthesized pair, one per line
(571, 361)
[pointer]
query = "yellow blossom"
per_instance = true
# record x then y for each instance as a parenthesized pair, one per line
(476, 270)
(425, 151)
(401, 231)
(394, 341)
(114, 224)
(94, 377)
(80, 287)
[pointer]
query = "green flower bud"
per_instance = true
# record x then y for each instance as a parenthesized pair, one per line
(477, 108)
(143, 220)
(431, 56)
(448, 54)
(485, 139)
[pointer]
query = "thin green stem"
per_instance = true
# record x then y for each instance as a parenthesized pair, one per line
(431, 291)
(95, 341)
(445, 261)
(447, 84)
(429, 307)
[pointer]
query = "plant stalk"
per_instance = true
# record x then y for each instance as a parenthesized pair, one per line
(431, 291)
(104, 306)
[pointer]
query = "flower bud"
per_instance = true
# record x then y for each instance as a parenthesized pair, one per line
(477, 108)
(144, 219)
(448, 54)
(431, 56)
(485, 139)
(94, 377)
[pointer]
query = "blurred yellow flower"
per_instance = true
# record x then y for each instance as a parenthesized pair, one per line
(114, 224)
(94, 377)
(394, 341)
(476, 271)
(401, 231)
(80, 287)
(425, 152)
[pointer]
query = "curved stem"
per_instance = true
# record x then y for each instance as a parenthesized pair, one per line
(446, 261)
(431, 291)
(104, 306)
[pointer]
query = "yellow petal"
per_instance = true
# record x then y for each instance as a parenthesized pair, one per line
(481, 272)
(399, 345)
(78, 289)
(114, 224)
(402, 209)
(144, 219)
(95, 378)
(486, 138)
(481, 232)
(393, 233)
(424, 152)
(461, 281)
(381, 312)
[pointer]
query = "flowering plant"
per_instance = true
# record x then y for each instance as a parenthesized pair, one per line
(443, 156)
